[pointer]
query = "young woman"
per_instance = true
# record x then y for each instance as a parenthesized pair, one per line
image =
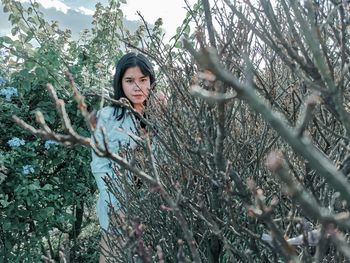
(133, 79)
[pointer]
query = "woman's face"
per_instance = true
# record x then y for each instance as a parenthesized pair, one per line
(136, 87)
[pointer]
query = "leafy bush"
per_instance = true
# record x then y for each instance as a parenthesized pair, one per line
(44, 185)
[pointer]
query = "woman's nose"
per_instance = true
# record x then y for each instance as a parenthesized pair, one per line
(136, 85)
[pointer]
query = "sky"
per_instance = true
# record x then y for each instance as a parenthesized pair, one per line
(77, 14)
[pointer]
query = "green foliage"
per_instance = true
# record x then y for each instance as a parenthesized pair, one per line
(45, 186)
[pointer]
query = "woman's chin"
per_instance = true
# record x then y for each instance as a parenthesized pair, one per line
(138, 101)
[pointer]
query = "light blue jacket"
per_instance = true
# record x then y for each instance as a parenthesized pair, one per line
(117, 135)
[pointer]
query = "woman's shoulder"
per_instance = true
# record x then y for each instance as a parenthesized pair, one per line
(114, 113)
(108, 112)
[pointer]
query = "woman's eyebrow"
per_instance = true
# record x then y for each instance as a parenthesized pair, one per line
(132, 77)
(144, 77)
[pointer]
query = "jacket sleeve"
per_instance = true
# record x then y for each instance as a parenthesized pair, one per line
(98, 163)
(98, 136)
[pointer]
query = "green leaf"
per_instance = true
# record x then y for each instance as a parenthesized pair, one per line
(41, 72)
(23, 26)
(8, 244)
(29, 36)
(14, 18)
(34, 20)
(14, 30)
(33, 187)
(6, 225)
(29, 65)
(4, 203)
(6, 9)
(49, 211)
(187, 30)
(6, 40)
(26, 84)
(47, 187)
(178, 44)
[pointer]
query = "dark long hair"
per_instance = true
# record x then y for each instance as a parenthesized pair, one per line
(130, 60)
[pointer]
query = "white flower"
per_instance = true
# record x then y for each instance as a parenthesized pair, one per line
(49, 143)
(28, 169)
(16, 142)
(9, 92)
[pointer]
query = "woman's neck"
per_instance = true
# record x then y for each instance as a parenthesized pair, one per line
(139, 108)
